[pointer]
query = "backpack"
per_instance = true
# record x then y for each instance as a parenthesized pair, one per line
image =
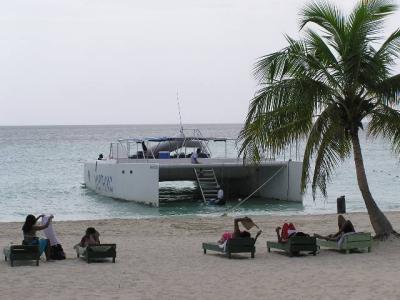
(57, 252)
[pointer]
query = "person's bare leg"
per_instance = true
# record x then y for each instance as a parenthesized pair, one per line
(257, 234)
(327, 238)
(277, 229)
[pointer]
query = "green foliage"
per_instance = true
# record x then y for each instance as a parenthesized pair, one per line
(320, 88)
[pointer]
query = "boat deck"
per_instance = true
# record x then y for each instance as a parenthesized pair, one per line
(206, 162)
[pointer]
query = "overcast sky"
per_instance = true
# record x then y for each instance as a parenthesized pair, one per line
(122, 61)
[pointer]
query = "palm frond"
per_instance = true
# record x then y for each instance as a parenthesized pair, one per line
(390, 49)
(296, 61)
(318, 130)
(365, 22)
(363, 27)
(333, 149)
(281, 114)
(388, 90)
(385, 122)
(329, 18)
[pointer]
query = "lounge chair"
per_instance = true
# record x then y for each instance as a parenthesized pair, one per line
(348, 242)
(236, 245)
(21, 252)
(295, 245)
(97, 252)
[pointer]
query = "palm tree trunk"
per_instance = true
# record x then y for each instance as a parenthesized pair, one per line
(379, 222)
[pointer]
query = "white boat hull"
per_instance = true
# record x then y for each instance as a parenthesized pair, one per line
(134, 182)
(138, 179)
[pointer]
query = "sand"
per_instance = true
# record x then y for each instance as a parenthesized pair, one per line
(163, 259)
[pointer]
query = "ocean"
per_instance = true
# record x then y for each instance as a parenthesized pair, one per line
(41, 171)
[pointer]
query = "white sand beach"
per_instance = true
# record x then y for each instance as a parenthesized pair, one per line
(163, 259)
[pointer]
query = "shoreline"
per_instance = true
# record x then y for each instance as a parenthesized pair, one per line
(210, 216)
(162, 259)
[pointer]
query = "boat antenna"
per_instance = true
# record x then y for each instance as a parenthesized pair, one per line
(179, 111)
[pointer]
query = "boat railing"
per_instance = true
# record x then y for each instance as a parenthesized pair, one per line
(179, 146)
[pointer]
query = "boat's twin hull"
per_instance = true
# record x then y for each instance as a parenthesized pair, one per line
(139, 182)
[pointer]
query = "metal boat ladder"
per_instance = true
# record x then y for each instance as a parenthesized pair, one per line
(207, 182)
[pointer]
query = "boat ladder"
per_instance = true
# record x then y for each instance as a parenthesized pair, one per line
(207, 182)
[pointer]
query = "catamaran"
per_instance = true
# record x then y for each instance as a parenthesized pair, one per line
(135, 167)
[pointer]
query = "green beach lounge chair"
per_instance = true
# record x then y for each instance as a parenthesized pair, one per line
(21, 252)
(295, 245)
(95, 253)
(348, 242)
(236, 245)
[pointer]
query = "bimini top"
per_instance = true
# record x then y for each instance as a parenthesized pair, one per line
(174, 138)
(179, 145)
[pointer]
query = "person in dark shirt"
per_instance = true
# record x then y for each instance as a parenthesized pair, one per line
(345, 226)
(91, 237)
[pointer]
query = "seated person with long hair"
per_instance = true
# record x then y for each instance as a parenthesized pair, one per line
(90, 238)
(29, 230)
(345, 226)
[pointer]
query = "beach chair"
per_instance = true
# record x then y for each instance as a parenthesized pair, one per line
(236, 245)
(94, 253)
(348, 242)
(295, 245)
(21, 252)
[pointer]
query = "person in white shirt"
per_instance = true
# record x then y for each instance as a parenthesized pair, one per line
(220, 195)
(194, 156)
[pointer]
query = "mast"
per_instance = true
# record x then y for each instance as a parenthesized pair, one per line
(179, 111)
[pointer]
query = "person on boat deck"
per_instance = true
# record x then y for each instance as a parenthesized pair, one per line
(195, 156)
(100, 156)
(345, 226)
(91, 237)
(29, 230)
(237, 233)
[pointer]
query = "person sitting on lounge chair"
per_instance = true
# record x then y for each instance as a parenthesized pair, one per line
(345, 226)
(287, 231)
(91, 237)
(29, 230)
(237, 233)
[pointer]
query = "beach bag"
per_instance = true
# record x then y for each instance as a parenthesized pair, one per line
(57, 252)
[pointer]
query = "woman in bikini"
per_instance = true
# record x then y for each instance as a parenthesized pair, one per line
(29, 230)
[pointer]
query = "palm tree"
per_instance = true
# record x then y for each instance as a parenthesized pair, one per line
(321, 87)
